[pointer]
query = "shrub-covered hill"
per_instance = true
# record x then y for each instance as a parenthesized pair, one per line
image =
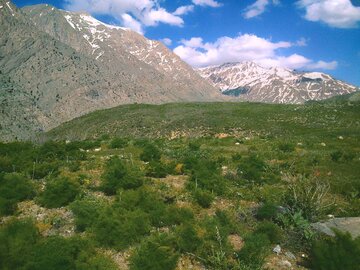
(185, 186)
(204, 119)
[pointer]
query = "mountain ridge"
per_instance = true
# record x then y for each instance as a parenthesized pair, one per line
(252, 82)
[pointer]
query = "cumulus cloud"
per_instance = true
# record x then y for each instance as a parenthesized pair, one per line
(133, 14)
(130, 22)
(183, 10)
(210, 3)
(335, 13)
(258, 8)
(246, 47)
(166, 41)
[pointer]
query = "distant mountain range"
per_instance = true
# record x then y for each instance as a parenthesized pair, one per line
(57, 65)
(252, 82)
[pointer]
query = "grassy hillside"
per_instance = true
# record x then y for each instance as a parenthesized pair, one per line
(206, 119)
(235, 181)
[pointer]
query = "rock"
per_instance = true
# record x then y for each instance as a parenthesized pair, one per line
(285, 264)
(350, 225)
(290, 255)
(277, 249)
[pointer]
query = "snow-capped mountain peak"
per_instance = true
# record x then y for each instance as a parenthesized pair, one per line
(253, 82)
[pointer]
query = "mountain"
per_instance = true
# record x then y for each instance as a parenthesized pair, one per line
(251, 82)
(122, 48)
(53, 69)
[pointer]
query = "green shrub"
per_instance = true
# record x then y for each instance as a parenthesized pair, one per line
(206, 175)
(286, 147)
(267, 211)
(194, 146)
(336, 155)
(157, 169)
(271, 230)
(17, 239)
(255, 250)
(87, 212)
(187, 238)
(119, 175)
(118, 143)
(13, 189)
(308, 196)
(340, 252)
(155, 253)
(121, 228)
(147, 201)
(176, 215)
(67, 254)
(203, 198)
(59, 192)
(150, 153)
(252, 169)
(43, 169)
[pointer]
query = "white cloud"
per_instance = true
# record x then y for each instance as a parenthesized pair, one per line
(244, 47)
(130, 22)
(166, 41)
(335, 13)
(133, 14)
(183, 10)
(302, 42)
(258, 8)
(210, 3)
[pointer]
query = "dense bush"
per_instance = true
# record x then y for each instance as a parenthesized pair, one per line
(188, 239)
(267, 211)
(206, 175)
(157, 169)
(252, 169)
(13, 189)
(17, 239)
(150, 202)
(255, 250)
(43, 169)
(340, 252)
(117, 228)
(21, 247)
(118, 174)
(87, 212)
(271, 230)
(203, 197)
(150, 153)
(155, 253)
(286, 147)
(118, 143)
(67, 254)
(59, 192)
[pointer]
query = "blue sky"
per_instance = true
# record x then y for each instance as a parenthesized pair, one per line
(314, 35)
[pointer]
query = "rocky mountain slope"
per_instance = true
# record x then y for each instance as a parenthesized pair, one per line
(122, 48)
(52, 72)
(252, 82)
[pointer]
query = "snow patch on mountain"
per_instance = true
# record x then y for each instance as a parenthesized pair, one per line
(250, 81)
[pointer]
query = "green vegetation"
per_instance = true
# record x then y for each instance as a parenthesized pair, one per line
(214, 185)
(13, 189)
(59, 192)
(341, 252)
